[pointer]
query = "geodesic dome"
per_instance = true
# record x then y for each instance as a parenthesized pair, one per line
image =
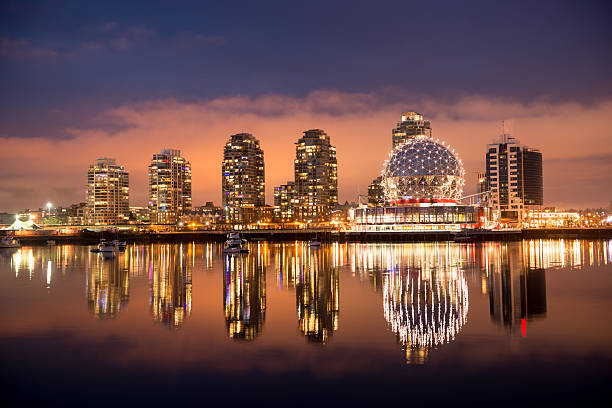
(423, 168)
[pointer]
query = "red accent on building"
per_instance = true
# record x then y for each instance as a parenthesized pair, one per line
(407, 201)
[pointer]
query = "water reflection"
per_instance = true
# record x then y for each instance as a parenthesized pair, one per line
(422, 287)
(108, 288)
(170, 281)
(516, 282)
(317, 296)
(244, 295)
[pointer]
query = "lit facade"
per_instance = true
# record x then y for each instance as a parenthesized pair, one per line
(169, 186)
(242, 176)
(285, 202)
(316, 175)
(376, 192)
(514, 177)
(412, 125)
(422, 182)
(108, 193)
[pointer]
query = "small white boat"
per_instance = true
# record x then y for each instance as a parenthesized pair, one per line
(9, 242)
(314, 242)
(235, 244)
(50, 242)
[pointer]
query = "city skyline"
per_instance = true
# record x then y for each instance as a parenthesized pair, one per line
(107, 80)
(477, 165)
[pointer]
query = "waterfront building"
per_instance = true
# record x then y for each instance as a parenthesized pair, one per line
(412, 125)
(514, 177)
(169, 186)
(316, 175)
(422, 182)
(76, 214)
(285, 202)
(242, 177)
(376, 192)
(140, 215)
(108, 193)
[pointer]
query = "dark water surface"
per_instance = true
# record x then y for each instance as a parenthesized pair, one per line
(348, 324)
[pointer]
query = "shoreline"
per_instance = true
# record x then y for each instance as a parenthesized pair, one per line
(87, 238)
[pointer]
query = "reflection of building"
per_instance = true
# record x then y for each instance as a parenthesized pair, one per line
(242, 176)
(108, 193)
(425, 310)
(316, 175)
(170, 280)
(108, 288)
(317, 297)
(517, 293)
(244, 296)
(169, 186)
(514, 176)
(424, 291)
(412, 125)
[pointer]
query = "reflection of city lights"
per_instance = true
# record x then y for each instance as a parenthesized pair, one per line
(425, 312)
(244, 296)
(170, 281)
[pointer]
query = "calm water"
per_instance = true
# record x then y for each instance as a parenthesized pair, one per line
(359, 324)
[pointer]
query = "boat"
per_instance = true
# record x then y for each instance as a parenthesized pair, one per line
(9, 242)
(235, 244)
(314, 243)
(105, 246)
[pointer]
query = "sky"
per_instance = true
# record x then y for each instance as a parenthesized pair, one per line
(82, 80)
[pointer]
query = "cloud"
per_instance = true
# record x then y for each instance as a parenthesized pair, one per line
(24, 49)
(574, 139)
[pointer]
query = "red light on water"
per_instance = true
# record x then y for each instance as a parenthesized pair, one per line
(524, 327)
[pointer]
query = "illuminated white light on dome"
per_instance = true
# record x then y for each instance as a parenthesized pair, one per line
(423, 168)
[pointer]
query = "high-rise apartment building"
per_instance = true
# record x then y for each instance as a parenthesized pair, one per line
(376, 192)
(316, 175)
(514, 178)
(412, 125)
(285, 202)
(169, 186)
(242, 176)
(108, 193)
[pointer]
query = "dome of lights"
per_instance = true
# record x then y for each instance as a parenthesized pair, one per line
(423, 168)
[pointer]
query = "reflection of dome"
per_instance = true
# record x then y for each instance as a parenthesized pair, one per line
(425, 312)
(423, 168)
